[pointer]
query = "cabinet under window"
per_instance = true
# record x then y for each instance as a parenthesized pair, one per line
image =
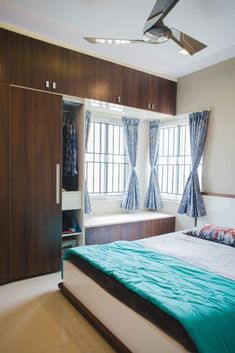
(106, 163)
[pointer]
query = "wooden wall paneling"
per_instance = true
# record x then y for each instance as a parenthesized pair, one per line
(102, 79)
(102, 235)
(35, 150)
(130, 231)
(5, 236)
(167, 96)
(21, 58)
(4, 61)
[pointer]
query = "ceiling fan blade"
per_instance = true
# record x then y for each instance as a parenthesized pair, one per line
(191, 45)
(159, 12)
(94, 40)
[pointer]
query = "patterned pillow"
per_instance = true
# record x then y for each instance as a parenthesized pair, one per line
(221, 235)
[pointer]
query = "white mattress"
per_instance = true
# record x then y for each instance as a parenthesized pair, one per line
(208, 255)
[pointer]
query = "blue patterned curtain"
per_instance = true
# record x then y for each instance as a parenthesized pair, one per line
(131, 200)
(153, 198)
(192, 203)
(87, 203)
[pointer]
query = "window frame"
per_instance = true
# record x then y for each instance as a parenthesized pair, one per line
(100, 119)
(173, 123)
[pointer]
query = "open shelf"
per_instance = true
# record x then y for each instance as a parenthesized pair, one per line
(71, 234)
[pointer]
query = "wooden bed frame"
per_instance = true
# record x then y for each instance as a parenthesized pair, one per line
(122, 327)
(96, 323)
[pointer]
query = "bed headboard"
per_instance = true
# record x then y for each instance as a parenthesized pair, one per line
(220, 210)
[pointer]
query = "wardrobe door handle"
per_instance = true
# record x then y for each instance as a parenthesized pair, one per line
(119, 99)
(57, 184)
(47, 84)
(54, 85)
(152, 106)
(149, 106)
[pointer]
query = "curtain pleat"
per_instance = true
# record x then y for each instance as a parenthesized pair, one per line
(192, 202)
(153, 198)
(87, 203)
(131, 200)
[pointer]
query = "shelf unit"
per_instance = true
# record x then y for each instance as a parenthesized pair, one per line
(70, 240)
(72, 200)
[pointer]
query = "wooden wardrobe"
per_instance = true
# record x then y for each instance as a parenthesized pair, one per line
(30, 152)
(5, 235)
(33, 77)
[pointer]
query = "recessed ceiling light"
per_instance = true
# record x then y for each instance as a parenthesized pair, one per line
(184, 52)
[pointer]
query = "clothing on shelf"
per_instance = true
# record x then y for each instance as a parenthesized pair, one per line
(69, 223)
(70, 147)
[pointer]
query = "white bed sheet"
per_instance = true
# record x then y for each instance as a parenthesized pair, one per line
(205, 254)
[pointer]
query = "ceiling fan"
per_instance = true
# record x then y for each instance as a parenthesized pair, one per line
(156, 32)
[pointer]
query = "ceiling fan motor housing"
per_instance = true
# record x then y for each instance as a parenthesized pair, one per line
(157, 35)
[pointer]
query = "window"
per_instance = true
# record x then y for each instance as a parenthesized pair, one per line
(106, 161)
(174, 163)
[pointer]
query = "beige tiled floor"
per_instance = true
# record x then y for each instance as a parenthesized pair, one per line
(36, 318)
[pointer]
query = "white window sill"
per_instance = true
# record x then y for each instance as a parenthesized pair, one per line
(171, 198)
(106, 197)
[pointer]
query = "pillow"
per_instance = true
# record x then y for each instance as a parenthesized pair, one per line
(223, 235)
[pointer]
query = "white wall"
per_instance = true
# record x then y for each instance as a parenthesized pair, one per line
(143, 170)
(212, 88)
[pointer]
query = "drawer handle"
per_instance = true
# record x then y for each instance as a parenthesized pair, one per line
(152, 106)
(119, 99)
(149, 106)
(53, 85)
(47, 84)
(57, 184)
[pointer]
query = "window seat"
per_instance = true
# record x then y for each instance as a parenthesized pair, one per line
(127, 226)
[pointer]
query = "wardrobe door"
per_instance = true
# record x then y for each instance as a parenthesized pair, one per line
(167, 96)
(5, 254)
(35, 152)
(102, 79)
(21, 51)
(131, 89)
(4, 74)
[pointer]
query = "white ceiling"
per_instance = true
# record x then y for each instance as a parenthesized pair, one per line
(67, 22)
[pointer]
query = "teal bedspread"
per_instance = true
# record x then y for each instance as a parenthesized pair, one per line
(203, 302)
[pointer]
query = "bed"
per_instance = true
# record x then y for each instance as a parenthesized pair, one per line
(133, 324)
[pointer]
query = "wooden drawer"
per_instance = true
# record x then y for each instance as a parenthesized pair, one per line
(71, 200)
